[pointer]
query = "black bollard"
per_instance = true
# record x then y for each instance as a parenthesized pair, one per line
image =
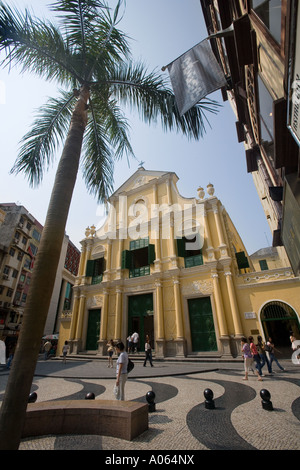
(266, 402)
(90, 396)
(32, 397)
(150, 397)
(209, 402)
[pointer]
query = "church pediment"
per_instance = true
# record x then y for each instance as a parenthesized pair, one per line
(139, 179)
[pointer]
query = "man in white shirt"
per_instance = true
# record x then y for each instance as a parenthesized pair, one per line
(135, 340)
(121, 371)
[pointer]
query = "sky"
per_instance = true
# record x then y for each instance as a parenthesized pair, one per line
(160, 31)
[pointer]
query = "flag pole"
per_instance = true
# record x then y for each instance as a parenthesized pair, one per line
(219, 34)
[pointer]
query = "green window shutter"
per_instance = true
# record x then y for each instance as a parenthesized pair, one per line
(126, 259)
(90, 267)
(139, 243)
(263, 264)
(181, 247)
(242, 260)
(151, 254)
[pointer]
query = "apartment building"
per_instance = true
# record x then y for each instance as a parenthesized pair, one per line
(256, 43)
(20, 234)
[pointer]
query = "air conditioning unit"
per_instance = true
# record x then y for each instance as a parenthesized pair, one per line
(5, 276)
(16, 241)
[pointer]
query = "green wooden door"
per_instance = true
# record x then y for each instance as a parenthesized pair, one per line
(93, 329)
(202, 325)
(140, 317)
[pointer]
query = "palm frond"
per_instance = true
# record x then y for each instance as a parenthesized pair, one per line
(37, 46)
(77, 19)
(97, 164)
(40, 143)
(150, 95)
(112, 45)
(117, 127)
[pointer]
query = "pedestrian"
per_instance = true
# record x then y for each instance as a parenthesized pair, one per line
(135, 340)
(262, 354)
(47, 347)
(293, 340)
(11, 353)
(248, 359)
(272, 350)
(148, 352)
(129, 340)
(110, 351)
(2, 351)
(65, 351)
(255, 355)
(121, 371)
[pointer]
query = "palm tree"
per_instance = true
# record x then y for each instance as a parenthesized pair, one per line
(89, 56)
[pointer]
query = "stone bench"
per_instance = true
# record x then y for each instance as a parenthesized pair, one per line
(122, 419)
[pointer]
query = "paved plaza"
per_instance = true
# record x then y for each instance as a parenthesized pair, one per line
(180, 421)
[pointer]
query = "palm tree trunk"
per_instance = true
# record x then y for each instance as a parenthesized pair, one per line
(13, 410)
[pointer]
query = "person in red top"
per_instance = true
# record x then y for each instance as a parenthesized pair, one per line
(255, 355)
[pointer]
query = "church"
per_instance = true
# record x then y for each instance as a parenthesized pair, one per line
(176, 269)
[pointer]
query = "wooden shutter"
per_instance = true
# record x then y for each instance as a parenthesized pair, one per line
(126, 259)
(90, 267)
(242, 36)
(181, 247)
(151, 254)
(251, 158)
(242, 260)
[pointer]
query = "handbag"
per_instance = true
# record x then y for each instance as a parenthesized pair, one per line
(130, 365)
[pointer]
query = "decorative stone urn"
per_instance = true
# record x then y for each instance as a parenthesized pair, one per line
(210, 189)
(201, 192)
(93, 230)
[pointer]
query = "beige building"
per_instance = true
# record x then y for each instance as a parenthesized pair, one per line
(176, 269)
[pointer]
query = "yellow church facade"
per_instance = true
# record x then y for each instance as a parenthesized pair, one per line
(175, 269)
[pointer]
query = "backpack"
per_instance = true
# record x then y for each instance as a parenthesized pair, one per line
(130, 365)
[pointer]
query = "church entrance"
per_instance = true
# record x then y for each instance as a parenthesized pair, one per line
(202, 327)
(278, 320)
(93, 329)
(140, 318)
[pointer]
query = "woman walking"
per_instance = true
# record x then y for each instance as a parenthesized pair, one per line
(248, 358)
(255, 355)
(262, 354)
